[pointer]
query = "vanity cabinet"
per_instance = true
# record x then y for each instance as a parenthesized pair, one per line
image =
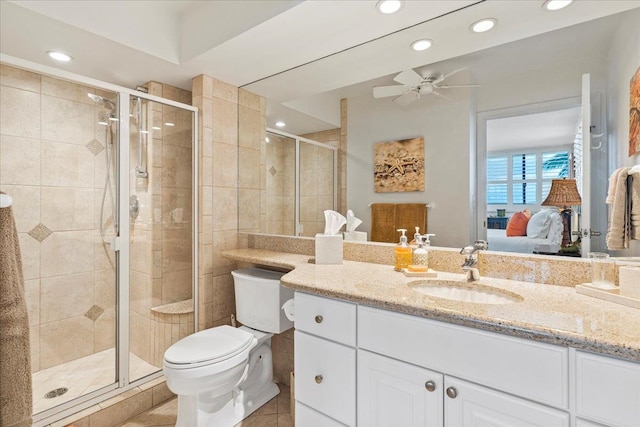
(607, 390)
(413, 371)
(325, 361)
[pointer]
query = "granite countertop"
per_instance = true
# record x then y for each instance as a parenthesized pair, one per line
(548, 313)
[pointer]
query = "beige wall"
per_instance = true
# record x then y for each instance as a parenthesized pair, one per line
(279, 171)
(52, 162)
(218, 192)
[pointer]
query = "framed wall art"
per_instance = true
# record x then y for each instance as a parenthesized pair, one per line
(399, 166)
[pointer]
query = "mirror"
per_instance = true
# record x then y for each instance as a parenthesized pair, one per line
(535, 72)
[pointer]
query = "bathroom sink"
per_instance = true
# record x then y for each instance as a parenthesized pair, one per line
(465, 292)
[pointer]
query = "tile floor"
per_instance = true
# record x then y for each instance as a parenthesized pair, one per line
(81, 376)
(275, 413)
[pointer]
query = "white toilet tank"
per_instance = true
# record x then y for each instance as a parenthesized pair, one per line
(259, 299)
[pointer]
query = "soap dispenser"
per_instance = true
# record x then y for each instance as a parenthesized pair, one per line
(420, 254)
(403, 252)
(416, 239)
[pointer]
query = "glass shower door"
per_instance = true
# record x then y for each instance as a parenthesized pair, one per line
(160, 232)
(317, 187)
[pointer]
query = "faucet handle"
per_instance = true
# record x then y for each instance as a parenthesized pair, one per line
(467, 250)
(480, 245)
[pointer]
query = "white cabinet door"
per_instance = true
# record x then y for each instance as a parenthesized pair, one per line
(467, 404)
(393, 393)
(306, 416)
(326, 377)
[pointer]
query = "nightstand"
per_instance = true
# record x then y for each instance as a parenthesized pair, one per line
(497, 222)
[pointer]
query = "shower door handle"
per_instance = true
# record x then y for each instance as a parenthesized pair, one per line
(114, 244)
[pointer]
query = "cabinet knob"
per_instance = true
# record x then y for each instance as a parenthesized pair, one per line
(430, 385)
(319, 319)
(319, 379)
(452, 392)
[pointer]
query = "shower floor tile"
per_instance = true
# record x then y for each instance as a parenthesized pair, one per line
(81, 376)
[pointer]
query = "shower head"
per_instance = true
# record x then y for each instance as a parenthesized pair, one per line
(102, 102)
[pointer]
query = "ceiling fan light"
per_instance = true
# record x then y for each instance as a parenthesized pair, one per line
(554, 5)
(483, 25)
(420, 45)
(389, 6)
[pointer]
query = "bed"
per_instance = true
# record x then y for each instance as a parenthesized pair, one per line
(498, 241)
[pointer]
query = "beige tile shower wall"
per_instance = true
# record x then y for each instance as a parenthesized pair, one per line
(219, 105)
(277, 215)
(53, 164)
(316, 180)
(161, 236)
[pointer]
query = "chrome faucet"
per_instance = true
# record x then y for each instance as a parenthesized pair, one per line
(471, 259)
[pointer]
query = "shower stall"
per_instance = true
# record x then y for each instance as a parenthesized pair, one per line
(104, 193)
(301, 183)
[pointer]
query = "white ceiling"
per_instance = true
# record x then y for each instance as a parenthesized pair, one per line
(551, 128)
(297, 52)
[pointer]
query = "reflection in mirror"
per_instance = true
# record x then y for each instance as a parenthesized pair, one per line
(526, 77)
(300, 184)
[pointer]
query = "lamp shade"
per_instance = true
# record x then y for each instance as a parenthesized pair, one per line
(564, 192)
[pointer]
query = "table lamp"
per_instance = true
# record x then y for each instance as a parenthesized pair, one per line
(564, 194)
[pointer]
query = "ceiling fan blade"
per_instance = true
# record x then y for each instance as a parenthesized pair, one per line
(450, 86)
(451, 73)
(408, 78)
(407, 98)
(441, 95)
(384, 91)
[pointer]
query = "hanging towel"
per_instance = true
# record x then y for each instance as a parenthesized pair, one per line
(618, 233)
(634, 195)
(410, 216)
(613, 181)
(15, 352)
(383, 223)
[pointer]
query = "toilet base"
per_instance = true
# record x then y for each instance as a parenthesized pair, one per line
(242, 406)
(237, 408)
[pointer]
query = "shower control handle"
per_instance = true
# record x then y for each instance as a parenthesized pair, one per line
(134, 206)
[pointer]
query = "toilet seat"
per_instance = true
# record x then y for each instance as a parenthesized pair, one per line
(211, 346)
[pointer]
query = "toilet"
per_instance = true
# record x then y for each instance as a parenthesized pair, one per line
(221, 375)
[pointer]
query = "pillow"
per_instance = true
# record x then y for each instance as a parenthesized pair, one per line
(538, 226)
(517, 225)
(556, 228)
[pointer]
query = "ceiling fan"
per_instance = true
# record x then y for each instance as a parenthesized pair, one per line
(413, 85)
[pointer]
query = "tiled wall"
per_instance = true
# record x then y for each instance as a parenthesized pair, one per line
(316, 180)
(278, 217)
(218, 105)
(52, 162)
(161, 238)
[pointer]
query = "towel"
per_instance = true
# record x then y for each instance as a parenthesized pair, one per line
(412, 215)
(613, 181)
(383, 223)
(15, 352)
(618, 232)
(634, 195)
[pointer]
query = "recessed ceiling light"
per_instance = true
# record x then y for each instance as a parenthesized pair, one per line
(422, 44)
(483, 25)
(266, 139)
(280, 124)
(556, 4)
(59, 56)
(169, 124)
(388, 6)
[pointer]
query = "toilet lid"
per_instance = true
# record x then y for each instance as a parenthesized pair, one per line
(212, 345)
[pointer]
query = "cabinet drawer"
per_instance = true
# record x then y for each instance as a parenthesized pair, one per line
(306, 416)
(326, 376)
(327, 318)
(525, 368)
(608, 390)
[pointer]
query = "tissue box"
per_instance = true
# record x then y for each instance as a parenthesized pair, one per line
(355, 236)
(629, 279)
(329, 249)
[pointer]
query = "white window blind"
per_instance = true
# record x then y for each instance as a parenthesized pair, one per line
(524, 178)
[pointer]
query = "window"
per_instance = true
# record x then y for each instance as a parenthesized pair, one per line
(524, 178)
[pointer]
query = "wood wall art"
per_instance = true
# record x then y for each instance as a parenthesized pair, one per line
(634, 115)
(399, 166)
